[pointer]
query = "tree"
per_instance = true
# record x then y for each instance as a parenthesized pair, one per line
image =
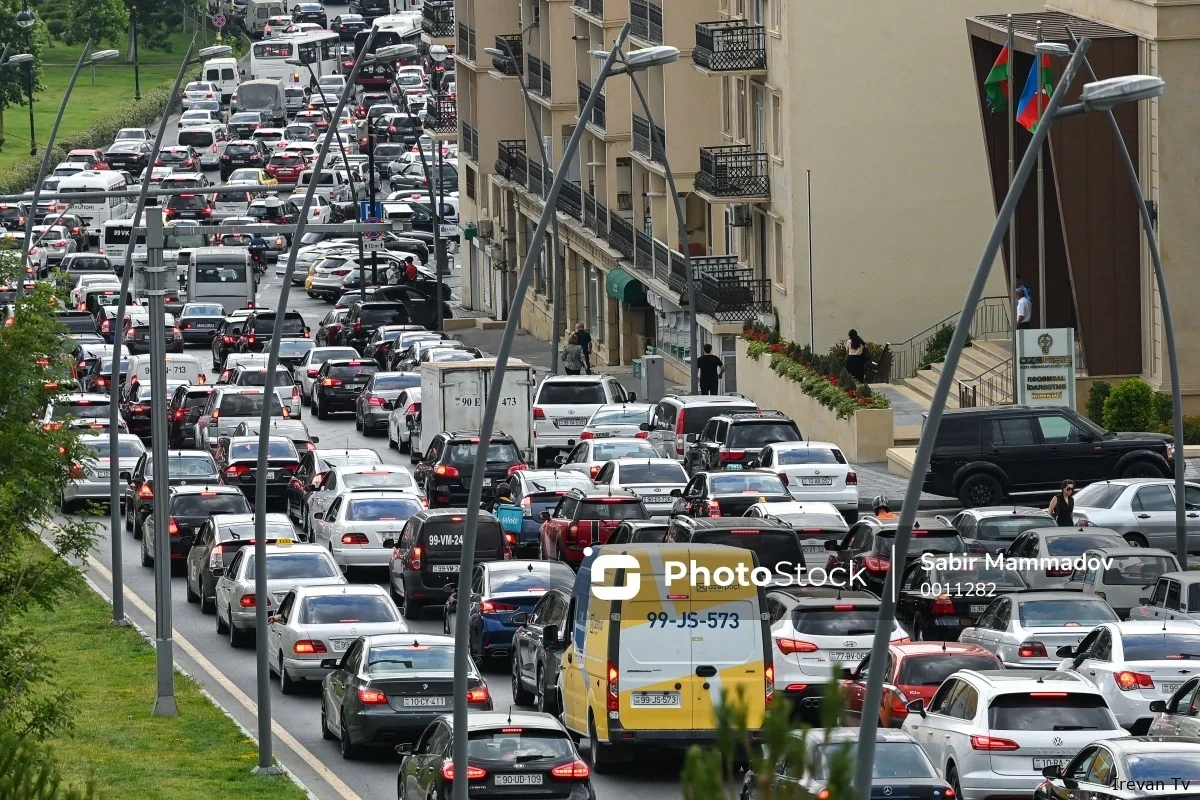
(27, 773)
(14, 81)
(101, 20)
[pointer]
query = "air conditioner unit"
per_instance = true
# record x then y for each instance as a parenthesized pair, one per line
(739, 216)
(495, 252)
(535, 12)
(486, 228)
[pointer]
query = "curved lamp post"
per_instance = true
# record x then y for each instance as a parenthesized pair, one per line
(25, 20)
(1101, 96)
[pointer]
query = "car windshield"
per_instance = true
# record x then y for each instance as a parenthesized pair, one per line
(498, 453)
(1161, 646)
(922, 542)
(603, 510)
(893, 760)
(407, 380)
(852, 620)
(192, 505)
(275, 449)
(125, 449)
(360, 370)
(761, 434)
(1137, 570)
(1065, 613)
(295, 349)
(1005, 529)
(341, 609)
(635, 449)
(350, 460)
(383, 315)
(632, 474)
(190, 202)
(1099, 495)
(320, 357)
(1074, 544)
(403, 659)
(932, 670)
(620, 416)
(1163, 769)
(1050, 711)
(284, 566)
(776, 550)
(377, 479)
(204, 310)
(382, 509)
(570, 393)
(513, 745)
(807, 455)
(749, 483)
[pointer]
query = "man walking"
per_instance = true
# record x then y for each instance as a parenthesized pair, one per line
(1024, 309)
(710, 369)
(584, 340)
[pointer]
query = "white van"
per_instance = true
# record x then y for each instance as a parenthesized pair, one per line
(93, 212)
(333, 185)
(221, 275)
(222, 73)
(180, 367)
(257, 14)
(115, 235)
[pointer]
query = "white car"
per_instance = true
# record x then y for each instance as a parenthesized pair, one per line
(991, 733)
(197, 91)
(563, 406)
(1176, 595)
(652, 479)
(1127, 583)
(306, 370)
(406, 405)
(1141, 509)
(1025, 629)
(1051, 546)
(288, 566)
(198, 117)
(91, 480)
(590, 455)
(313, 622)
(619, 420)
(87, 281)
(1135, 663)
(340, 479)
(814, 471)
(76, 409)
(50, 244)
(360, 526)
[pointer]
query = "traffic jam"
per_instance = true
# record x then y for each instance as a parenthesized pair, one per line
(638, 562)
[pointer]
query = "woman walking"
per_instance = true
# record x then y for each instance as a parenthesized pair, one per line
(1062, 505)
(572, 356)
(856, 357)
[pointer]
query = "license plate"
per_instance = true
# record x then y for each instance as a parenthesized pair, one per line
(423, 702)
(487, 481)
(570, 421)
(1170, 688)
(657, 498)
(271, 475)
(654, 699)
(733, 467)
(340, 645)
(846, 656)
(816, 481)
(978, 609)
(443, 567)
(813, 548)
(519, 780)
(206, 324)
(1042, 763)
(102, 473)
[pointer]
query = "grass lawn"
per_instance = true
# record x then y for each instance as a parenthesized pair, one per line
(114, 87)
(198, 755)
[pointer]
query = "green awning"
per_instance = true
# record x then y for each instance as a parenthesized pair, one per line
(621, 285)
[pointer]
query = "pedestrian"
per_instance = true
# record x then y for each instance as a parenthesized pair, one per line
(572, 356)
(1024, 309)
(1062, 505)
(710, 369)
(856, 356)
(410, 269)
(585, 341)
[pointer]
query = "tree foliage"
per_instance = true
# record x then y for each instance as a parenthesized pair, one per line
(34, 467)
(14, 81)
(101, 20)
(26, 773)
(1130, 407)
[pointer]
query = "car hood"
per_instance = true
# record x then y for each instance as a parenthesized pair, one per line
(1134, 436)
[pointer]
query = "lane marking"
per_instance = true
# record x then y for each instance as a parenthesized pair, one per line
(229, 686)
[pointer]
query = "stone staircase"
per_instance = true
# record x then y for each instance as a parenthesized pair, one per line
(980, 357)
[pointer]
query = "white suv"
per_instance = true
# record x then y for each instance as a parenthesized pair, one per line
(1132, 664)
(992, 732)
(563, 407)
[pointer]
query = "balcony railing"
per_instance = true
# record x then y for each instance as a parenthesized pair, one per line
(442, 115)
(733, 171)
(730, 46)
(593, 7)
(728, 291)
(595, 216)
(470, 142)
(646, 20)
(646, 144)
(539, 77)
(620, 235)
(538, 178)
(511, 162)
(437, 18)
(598, 116)
(504, 64)
(466, 42)
(570, 200)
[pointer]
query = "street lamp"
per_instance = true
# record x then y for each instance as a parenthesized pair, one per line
(1127, 89)
(137, 74)
(438, 53)
(25, 20)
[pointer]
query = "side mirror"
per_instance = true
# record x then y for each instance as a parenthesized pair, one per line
(315, 439)
(632, 397)
(544, 516)
(1066, 651)
(126, 476)
(677, 493)
(1053, 771)
(833, 544)
(916, 707)
(1143, 601)
(560, 459)
(692, 438)
(404, 749)
(1158, 706)
(218, 572)
(519, 618)
(645, 426)
(344, 568)
(570, 442)
(329, 663)
(550, 636)
(318, 515)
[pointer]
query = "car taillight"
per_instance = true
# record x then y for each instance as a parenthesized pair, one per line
(372, 697)
(308, 647)
(146, 492)
(237, 471)
(1056, 572)
(1032, 650)
(473, 773)
(943, 605)
(1128, 681)
(331, 382)
(575, 771)
(769, 684)
(612, 695)
(538, 413)
(733, 455)
(873, 564)
(642, 435)
(173, 527)
(795, 646)
(355, 538)
(479, 694)
(214, 558)
(312, 373)
(247, 601)
(446, 471)
(993, 743)
(492, 607)
(680, 438)
(414, 558)
(377, 402)
(714, 508)
(517, 468)
(587, 435)
(851, 479)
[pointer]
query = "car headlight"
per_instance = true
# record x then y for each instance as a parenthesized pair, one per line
(1170, 451)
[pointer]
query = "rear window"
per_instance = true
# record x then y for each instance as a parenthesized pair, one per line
(1064, 613)
(1163, 769)
(186, 201)
(932, 670)
(377, 480)
(197, 399)
(196, 138)
(294, 349)
(893, 760)
(241, 149)
(245, 531)
(1161, 646)
(922, 542)
(286, 160)
(621, 416)
(321, 358)
(649, 534)
(384, 315)
(695, 417)
(284, 566)
(566, 394)
(81, 410)
(248, 405)
(836, 621)
(635, 449)
(197, 466)
(516, 746)
(221, 273)
(203, 310)
(498, 453)
(447, 535)
(258, 377)
(761, 434)
(652, 473)
(280, 449)
(343, 608)
(1076, 543)
(1005, 529)
(391, 382)
(190, 505)
(231, 197)
(520, 580)
(753, 483)
(808, 455)
(126, 449)
(1098, 495)
(361, 369)
(776, 550)
(1137, 570)
(603, 510)
(392, 660)
(382, 509)
(1050, 711)
(981, 572)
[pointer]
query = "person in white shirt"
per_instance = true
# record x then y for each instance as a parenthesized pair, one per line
(1024, 309)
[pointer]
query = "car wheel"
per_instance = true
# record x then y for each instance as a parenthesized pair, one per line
(600, 756)
(321, 412)
(392, 443)
(358, 423)
(237, 637)
(521, 696)
(952, 779)
(980, 489)
(303, 400)
(406, 446)
(411, 610)
(222, 628)
(207, 606)
(147, 559)
(367, 431)
(191, 596)
(326, 734)
(128, 522)
(349, 751)
(64, 506)
(920, 628)
(138, 526)
(543, 700)
(1136, 540)
(287, 685)
(1142, 469)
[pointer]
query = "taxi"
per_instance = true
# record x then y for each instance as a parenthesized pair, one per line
(251, 175)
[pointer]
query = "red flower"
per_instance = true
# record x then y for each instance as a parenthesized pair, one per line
(849, 393)
(862, 401)
(834, 381)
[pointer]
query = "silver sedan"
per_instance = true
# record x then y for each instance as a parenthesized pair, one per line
(652, 479)
(617, 420)
(359, 528)
(1142, 510)
(1025, 630)
(91, 479)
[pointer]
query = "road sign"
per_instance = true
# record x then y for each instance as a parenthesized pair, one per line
(372, 235)
(218, 20)
(372, 244)
(365, 210)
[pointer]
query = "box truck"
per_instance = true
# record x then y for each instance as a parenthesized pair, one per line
(453, 394)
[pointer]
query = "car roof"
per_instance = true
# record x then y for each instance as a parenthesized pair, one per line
(988, 512)
(1157, 626)
(636, 460)
(1029, 597)
(1130, 551)
(365, 589)
(1030, 680)
(483, 720)
(1153, 744)
(242, 519)
(382, 494)
(215, 488)
(781, 446)
(617, 494)
(1056, 533)
(730, 523)
(840, 735)
(938, 648)
(709, 399)
(573, 379)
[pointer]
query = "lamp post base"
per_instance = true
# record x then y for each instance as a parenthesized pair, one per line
(271, 770)
(165, 707)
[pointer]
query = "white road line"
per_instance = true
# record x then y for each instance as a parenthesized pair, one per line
(286, 738)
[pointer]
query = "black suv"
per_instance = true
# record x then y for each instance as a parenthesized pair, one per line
(866, 552)
(188, 507)
(776, 545)
(364, 318)
(237, 460)
(225, 341)
(260, 328)
(983, 454)
(445, 470)
(728, 494)
(338, 384)
(184, 468)
(243, 153)
(183, 412)
(424, 566)
(731, 441)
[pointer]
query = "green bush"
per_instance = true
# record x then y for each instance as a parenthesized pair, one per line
(1164, 409)
(1191, 430)
(1130, 407)
(1095, 403)
(937, 345)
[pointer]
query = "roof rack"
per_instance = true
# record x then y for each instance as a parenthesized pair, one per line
(765, 414)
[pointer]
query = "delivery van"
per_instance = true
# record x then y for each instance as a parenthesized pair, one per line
(180, 367)
(653, 669)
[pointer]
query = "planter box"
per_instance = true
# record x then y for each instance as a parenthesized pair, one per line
(864, 437)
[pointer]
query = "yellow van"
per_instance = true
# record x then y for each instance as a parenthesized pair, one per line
(647, 660)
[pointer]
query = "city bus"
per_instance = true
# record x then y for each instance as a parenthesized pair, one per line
(95, 212)
(268, 58)
(394, 29)
(114, 241)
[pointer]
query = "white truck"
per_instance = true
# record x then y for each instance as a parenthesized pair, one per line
(453, 394)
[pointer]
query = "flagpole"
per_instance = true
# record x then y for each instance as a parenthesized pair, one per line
(1012, 225)
(1041, 191)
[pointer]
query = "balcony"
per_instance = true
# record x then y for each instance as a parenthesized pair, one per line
(437, 19)
(505, 65)
(646, 20)
(598, 117)
(595, 216)
(728, 291)
(539, 178)
(651, 146)
(620, 235)
(570, 199)
(593, 7)
(539, 77)
(470, 142)
(466, 42)
(511, 162)
(732, 46)
(441, 115)
(734, 171)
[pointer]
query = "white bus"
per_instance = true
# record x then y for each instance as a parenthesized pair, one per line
(114, 242)
(96, 212)
(268, 58)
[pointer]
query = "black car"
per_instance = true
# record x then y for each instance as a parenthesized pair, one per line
(419, 299)
(339, 382)
(217, 541)
(243, 153)
(136, 401)
(76, 228)
(380, 344)
(261, 326)
(226, 338)
(76, 321)
(132, 155)
(329, 329)
(370, 9)
(137, 334)
(733, 441)
(346, 25)
(938, 599)
(534, 666)
(310, 12)
(237, 460)
(728, 494)
(981, 455)
(777, 546)
(198, 322)
(272, 210)
(184, 468)
(639, 531)
(293, 350)
(423, 569)
(243, 124)
(412, 175)
(189, 507)
(363, 319)
(183, 412)
(397, 128)
(181, 157)
(445, 470)
(13, 216)
(866, 552)
(507, 753)
(193, 207)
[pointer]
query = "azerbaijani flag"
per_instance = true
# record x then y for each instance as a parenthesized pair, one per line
(1027, 108)
(996, 84)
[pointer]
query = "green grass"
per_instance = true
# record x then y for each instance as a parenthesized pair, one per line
(114, 87)
(199, 755)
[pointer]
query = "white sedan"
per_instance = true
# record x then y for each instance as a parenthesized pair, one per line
(590, 455)
(652, 479)
(814, 471)
(1141, 509)
(359, 477)
(359, 527)
(406, 406)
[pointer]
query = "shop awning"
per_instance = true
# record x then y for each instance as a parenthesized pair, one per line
(623, 286)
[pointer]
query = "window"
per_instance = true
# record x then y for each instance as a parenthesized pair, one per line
(1015, 432)
(1058, 430)
(776, 14)
(759, 98)
(726, 113)
(776, 123)
(1154, 498)
(777, 257)
(962, 702)
(1173, 595)
(273, 50)
(470, 183)
(740, 109)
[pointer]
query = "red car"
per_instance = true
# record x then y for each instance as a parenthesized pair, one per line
(286, 167)
(584, 517)
(915, 670)
(93, 158)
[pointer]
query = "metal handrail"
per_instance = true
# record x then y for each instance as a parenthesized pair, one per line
(990, 388)
(992, 316)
